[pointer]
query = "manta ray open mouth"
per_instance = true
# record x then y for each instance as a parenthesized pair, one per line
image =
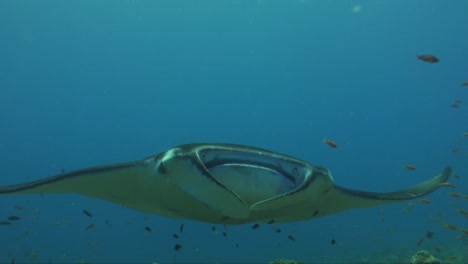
(254, 175)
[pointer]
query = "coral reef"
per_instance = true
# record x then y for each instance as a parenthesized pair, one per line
(423, 257)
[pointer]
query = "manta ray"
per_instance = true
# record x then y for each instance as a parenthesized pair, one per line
(221, 183)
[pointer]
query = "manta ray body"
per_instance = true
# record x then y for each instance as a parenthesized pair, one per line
(221, 183)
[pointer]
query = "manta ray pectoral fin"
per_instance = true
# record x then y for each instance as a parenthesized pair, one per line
(340, 198)
(125, 183)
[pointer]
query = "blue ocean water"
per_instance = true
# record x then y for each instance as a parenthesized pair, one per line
(88, 83)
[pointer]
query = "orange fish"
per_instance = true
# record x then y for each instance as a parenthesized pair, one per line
(425, 201)
(450, 226)
(409, 167)
(447, 184)
(330, 143)
(458, 101)
(428, 58)
(464, 84)
(455, 195)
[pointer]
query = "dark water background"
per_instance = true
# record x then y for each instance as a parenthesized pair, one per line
(86, 83)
